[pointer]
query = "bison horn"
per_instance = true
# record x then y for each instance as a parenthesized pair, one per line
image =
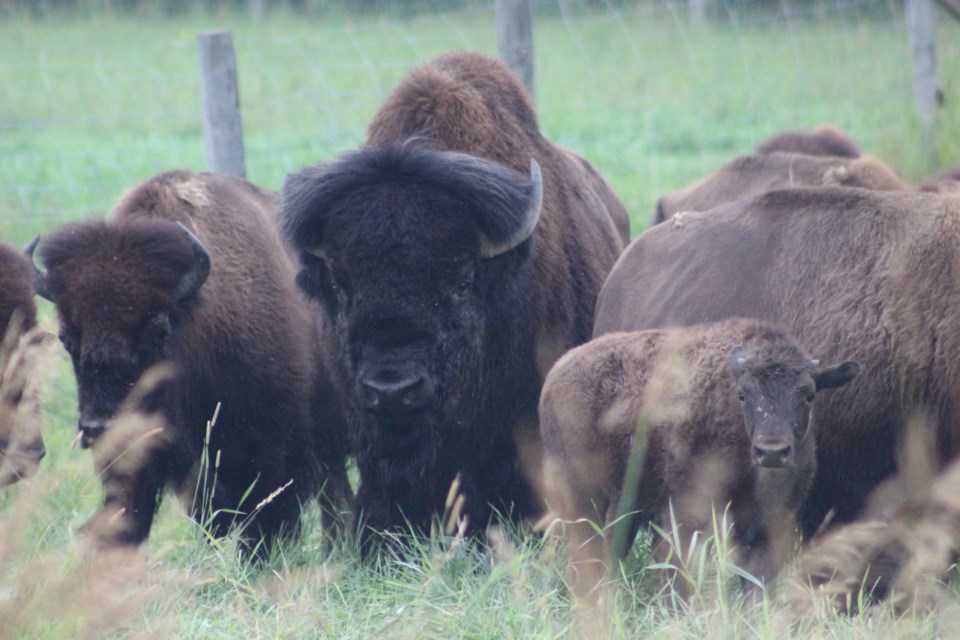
(193, 279)
(527, 224)
(39, 277)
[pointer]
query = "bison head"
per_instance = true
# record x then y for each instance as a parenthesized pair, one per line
(121, 290)
(417, 254)
(777, 395)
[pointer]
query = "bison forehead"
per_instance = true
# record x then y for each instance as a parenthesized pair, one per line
(402, 224)
(119, 296)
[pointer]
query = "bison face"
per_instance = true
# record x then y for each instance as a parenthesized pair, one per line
(410, 250)
(777, 398)
(121, 290)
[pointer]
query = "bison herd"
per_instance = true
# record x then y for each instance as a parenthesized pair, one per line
(457, 307)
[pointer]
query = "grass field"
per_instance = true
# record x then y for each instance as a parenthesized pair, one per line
(90, 107)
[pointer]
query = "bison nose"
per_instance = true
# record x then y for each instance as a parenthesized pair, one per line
(390, 391)
(89, 432)
(772, 454)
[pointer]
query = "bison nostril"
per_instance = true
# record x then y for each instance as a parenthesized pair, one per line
(393, 392)
(772, 455)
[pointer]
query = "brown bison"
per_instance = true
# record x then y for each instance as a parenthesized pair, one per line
(191, 270)
(460, 253)
(21, 438)
(724, 411)
(945, 182)
(747, 176)
(825, 140)
(864, 273)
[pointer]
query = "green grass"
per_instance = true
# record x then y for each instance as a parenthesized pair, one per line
(90, 107)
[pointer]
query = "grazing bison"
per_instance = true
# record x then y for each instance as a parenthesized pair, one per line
(21, 439)
(191, 270)
(825, 140)
(752, 175)
(724, 411)
(865, 273)
(460, 253)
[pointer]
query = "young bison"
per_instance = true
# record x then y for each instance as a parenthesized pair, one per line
(191, 270)
(724, 411)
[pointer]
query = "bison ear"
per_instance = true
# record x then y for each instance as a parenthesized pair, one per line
(193, 279)
(39, 277)
(836, 376)
(737, 360)
(303, 199)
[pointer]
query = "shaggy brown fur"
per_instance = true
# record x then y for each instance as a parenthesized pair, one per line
(21, 440)
(946, 182)
(674, 393)
(751, 175)
(868, 274)
(825, 140)
(400, 226)
(242, 338)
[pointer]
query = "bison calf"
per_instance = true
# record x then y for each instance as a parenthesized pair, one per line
(191, 271)
(724, 411)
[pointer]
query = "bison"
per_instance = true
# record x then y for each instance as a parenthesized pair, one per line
(945, 182)
(21, 348)
(460, 254)
(191, 271)
(752, 175)
(724, 411)
(871, 274)
(825, 140)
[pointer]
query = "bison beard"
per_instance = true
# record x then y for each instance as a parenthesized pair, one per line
(455, 282)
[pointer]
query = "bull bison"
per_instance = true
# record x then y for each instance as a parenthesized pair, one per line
(460, 253)
(825, 140)
(751, 175)
(21, 438)
(871, 274)
(191, 270)
(724, 411)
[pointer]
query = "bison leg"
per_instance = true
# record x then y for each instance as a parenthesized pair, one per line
(580, 507)
(132, 482)
(336, 499)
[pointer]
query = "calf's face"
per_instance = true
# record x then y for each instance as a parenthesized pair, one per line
(120, 292)
(776, 396)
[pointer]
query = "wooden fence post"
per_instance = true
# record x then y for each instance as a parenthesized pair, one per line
(921, 29)
(222, 129)
(515, 38)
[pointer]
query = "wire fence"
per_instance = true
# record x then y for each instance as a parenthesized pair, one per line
(653, 97)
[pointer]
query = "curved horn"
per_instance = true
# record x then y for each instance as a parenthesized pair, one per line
(39, 277)
(527, 224)
(194, 278)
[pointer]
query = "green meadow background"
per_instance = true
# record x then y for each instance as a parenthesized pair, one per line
(91, 105)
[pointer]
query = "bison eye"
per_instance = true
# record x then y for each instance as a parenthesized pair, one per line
(810, 396)
(741, 397)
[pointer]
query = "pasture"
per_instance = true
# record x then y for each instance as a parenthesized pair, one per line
(91, 106)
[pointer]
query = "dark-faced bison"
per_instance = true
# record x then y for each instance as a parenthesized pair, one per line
(191, 270)
(460, 253)
(21, 349)
(751, 175)
(851, 272)
(724, 411)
